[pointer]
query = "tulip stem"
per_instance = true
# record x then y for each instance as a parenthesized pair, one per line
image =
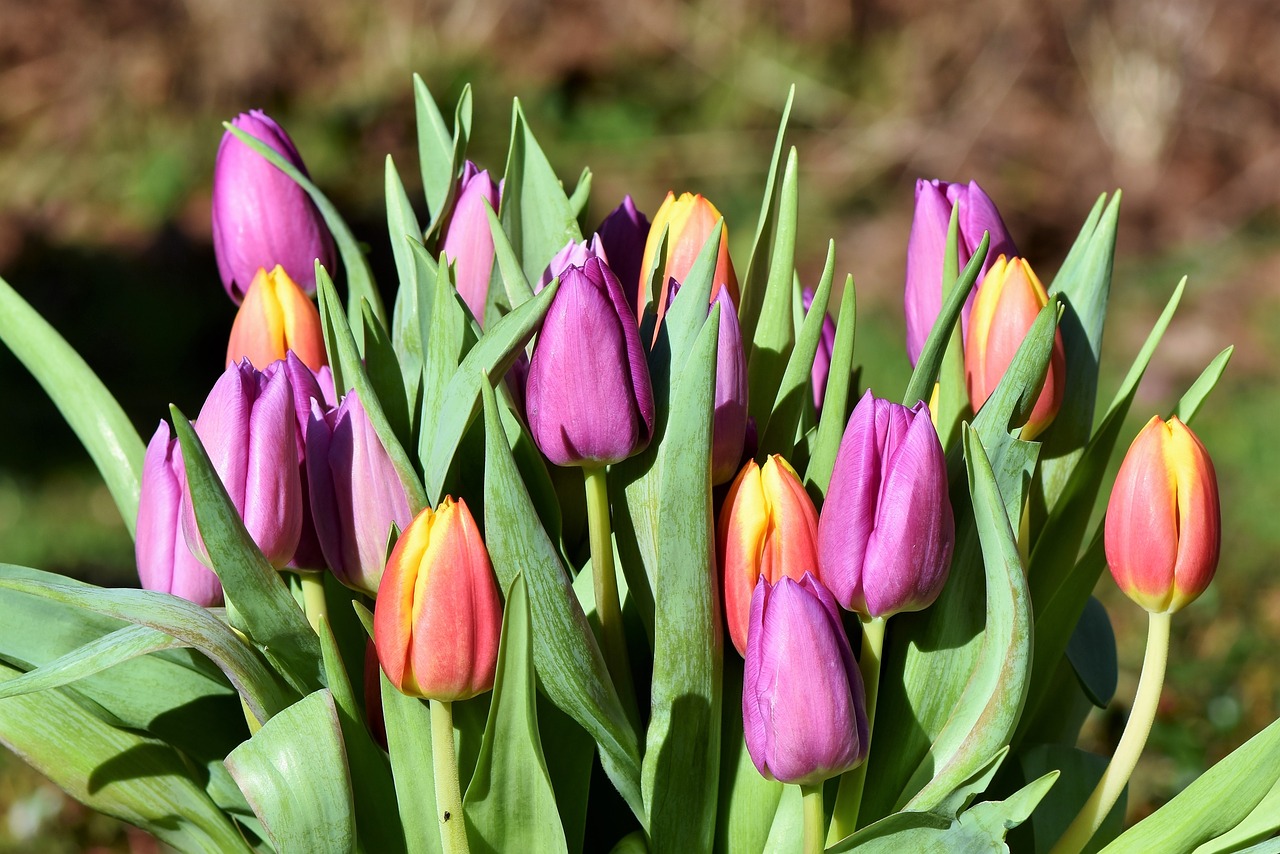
(453, 828)
(313, 601)
(608, 608)
(844, 819)
(813, 818)
(1134, 738)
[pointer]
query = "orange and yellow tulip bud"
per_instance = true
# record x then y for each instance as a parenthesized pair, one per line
(768, 527)
(438, 615)
(1008, 301)
(1164, 524)
(276, 317)
(689, 221)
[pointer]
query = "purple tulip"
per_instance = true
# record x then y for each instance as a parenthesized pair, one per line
(886, 531)
(468, 243)
(729, 427)
(249, 429)
(623, 233)
(261, 218)
(307, 386)
(164, 561)
(356, 493)
(821, 359)
(572, 255)
(804, 713)
(922, 297)
(588, 393)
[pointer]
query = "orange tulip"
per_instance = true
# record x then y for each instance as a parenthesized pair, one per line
(689, 221)
(275, 317)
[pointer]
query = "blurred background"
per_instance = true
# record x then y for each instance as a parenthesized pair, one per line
(110, 118)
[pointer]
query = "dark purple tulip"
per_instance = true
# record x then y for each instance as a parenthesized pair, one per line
(249, 429)
(623, 233)
(588, 394)
(804, 712)
(572, 255)
(356, 493)
(164, 561)
(729, 428)
(886, 531)
(261, 218)
(922, 297)
(468, 243)
(307, 386)
(821, 359)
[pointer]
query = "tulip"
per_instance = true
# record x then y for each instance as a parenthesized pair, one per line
(729, 424)
(248, 428)
(623, 234)
(468, 243)
(803, 709)
(922, 296)
(438, 615)
(164, 561)
(768, 529)
(822, 359)
(588, 394)
(1164, 524)
(307, 386)
(356, 494)
(275, 318)
(574, 254)
(689, 221)
(261, 218)
(1008, 301)
(886, 533)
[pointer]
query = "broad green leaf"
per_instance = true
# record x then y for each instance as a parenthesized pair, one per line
(682, 756)
(435, 150)
(1080, 772)
(510, 804)
(535, 212)
(402, 225)
(1092, 653)
(264, 609)
(1263, 823)
(461, 139)
(383, 370)
(360, 283)
(953, 392)
(748, 802)
(581, 192)
(89, 409)
(758, 262)
(570, 754)
(977, 782)
(507, 263)
(124, 644)
(570, 667)
(408, 722)
(774, 334)
(137, 779)
(447, 341)
(835, 405)
(294, 774)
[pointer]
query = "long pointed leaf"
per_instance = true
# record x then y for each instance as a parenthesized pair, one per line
(775, 333)
(753, 287)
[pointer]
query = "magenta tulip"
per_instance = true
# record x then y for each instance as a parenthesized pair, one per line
(468, 243)
(624, 233)
(822, 359)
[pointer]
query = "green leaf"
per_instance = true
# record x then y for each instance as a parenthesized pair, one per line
(774, 334)
(1092, 652)
(953, 392)
(408, 722)
(570, 667)
(435, 150)
(753, 289)
(748, 802)
(976, 783)
(507, 263)
(1080, 772)
(1263, 823)
(582, 192)
(359, 278)
(447, 342)
(682, 756)
(89, 409)
(510, 804)
(383, 370)
(122, 645)
(402, 228)
(536, 214)
(294, 774)
(1190, 402)
(137, 779)
(835, 405)
(570, 754)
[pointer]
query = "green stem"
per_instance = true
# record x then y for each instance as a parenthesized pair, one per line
(844, 819)
(313, 601)
(1132, 741)
(812, 818)
(608, 609)
(453, 828)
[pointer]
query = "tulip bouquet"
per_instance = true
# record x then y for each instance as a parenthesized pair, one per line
(458, 576)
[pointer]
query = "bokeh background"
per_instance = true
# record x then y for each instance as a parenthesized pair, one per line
(110, 118)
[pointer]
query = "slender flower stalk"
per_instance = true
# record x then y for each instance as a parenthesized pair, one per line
(813, 818)
(313, 601)
(1134, 738)
(844, 819)
(605, 581)
(453, 828)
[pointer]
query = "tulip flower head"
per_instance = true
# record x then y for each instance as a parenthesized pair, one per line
(588, 395)
(308, 387)
(729, 424)
(804, 710)
(574, 254)
(768, 528)
(275, 318)
(1009, 299)
(1164, 524)
(261, 218)
(922, 297)
(467, 242)
(623, 234)
(887, 532)
(689, 221)
(822, 359)
(438, 615)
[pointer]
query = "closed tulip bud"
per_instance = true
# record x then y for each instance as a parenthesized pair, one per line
(768, 529)
(729, 424)
(275, 318)
(927, 244)
(356, 494)
(468, 243)
(886, 532)
(1164, 524)
(164, 561)
(261, 218)
(689, 221)
(307, 386)
(574, 254)
(822, 359)
(247, 426)
(1009, 299)
(588, 394)
(623, 234)
(438, 615)
(804, 710)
